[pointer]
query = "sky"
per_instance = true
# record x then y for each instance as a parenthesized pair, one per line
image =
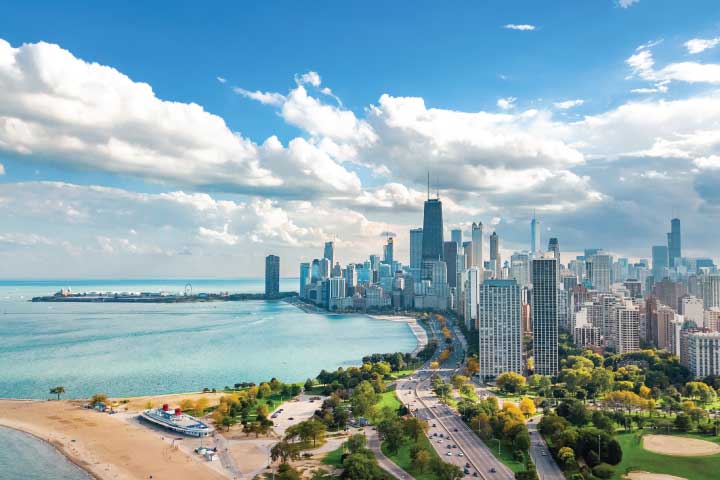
(188, 139)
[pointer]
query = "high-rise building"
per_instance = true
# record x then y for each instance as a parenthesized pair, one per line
(495, 261)
(500, 328)
(477, 245)
(693, 309)
(703, 354)
(329, 252)
(674, 243)
(554, 248)
(432, 238)
(450, 255)
(598, 269)
(545, 315)
(472, 296)
(388, 251)
(534, 235)
(659, 262)
(416, 245)
(272, 275)
(468, 254)
(304, 277)
(456, 236)
(624, 320)
(710, 288)
(520, 269)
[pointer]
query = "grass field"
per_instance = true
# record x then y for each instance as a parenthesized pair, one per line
(505, 456)
(334, 458)
(388, 399)
(403, 460)
(637, 458)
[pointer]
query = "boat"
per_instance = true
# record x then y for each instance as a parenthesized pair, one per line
(176, 421)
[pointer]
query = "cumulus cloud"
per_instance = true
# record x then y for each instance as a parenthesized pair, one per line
(221, 79)
(266, 98)
(506, 103)
(642, 64)
(522, 27)
(568, 104)
(697, 45)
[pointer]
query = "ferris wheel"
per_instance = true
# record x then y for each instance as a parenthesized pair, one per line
(188, 289)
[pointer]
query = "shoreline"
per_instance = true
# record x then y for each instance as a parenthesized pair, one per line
(59, 449)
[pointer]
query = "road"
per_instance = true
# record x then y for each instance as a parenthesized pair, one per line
(470, 453)
(385, 463)
(546, 467)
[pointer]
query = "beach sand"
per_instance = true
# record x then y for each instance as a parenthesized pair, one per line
(417, 329)
(106, 446)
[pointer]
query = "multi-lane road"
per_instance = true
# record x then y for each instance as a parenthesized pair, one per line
(466, 450)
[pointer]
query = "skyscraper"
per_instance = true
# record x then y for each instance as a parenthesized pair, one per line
(534, 235)
(450, 254)
(432, 239)
(545, 315)
(329, 252)
(477, 245)
(388, 253)
(659, 262)
(500, 328)
(272, 275)
(456, 236)
(416, 239)
(495, 262)
(554, 248)
(304, 277)
(468, 254)
(598, 269)
(674, 243)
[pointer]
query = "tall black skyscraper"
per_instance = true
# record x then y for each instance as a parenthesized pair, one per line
(673, 237)
(432, 240)
(272, 275)
(545, 315)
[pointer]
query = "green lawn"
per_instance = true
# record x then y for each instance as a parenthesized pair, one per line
(334, 458)
(402, 458)
(505, 456)
(388, 399)
(637, 458)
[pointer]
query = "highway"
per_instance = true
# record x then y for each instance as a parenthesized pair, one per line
(470, 454)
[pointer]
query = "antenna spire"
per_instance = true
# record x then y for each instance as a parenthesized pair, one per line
(428, 172)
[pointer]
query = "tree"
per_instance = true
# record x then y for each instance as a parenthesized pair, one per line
(458, 381)
(98, 398)
(287, 472)
(228, 421)
(445, 471)
(527, 406)
(362, 466)
(415, 428)
(434, 365)
(522, 441)
(57, 391)
(603, 471)
(421, 460)
(682, 422)
(510, 382)
(264, 391)
(356, 443)
(284, 451)
(391, 431)
(309, 384)
(566, 455)
(363, 399)
(574, 410)
(472, 365)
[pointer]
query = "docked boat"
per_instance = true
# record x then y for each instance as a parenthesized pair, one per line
(176, 421)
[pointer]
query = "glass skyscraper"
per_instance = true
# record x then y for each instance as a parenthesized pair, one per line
(500, 328)
(659, 262)
(272, 275)
(416, 248)
(545, 315)
(673, 238)
(450, 255)
(432, 240)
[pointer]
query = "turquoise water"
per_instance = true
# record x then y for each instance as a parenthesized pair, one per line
(128, 350)
(23, 457)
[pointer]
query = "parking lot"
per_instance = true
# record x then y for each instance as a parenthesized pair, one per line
(295, 411)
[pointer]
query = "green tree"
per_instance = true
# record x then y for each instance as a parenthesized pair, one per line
(391, 431)
(421, 459)
(284, 451)
(287, 472)
(356, 443)
(510, 382)
(566, 455)
(57, 391)
(363, 399)
(415, 428)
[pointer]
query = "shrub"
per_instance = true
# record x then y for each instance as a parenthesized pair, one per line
(603, 471)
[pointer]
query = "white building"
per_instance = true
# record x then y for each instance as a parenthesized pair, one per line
(703, 354)
(693, 309)
(625, 327)
(500, 328)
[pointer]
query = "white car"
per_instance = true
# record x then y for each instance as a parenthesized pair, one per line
(449, 454)
(460, 454)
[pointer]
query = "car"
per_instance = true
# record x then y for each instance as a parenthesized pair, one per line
(492, 470)
(449, 454)
(460, 454)
(544, 454)
(475, 474)
(434, 434)
(467, 464)
(291, 418)
(311, 401)
(434, 425)
(466, 471)
(455, 430)
(439, 441)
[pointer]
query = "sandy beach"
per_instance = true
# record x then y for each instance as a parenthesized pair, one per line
(417, 329)
(106, 446)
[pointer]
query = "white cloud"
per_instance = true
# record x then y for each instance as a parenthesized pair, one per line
(708, 163)
(2, 169)
(568, 104)
(627, 3)
(221, 79)
(506, 103)
(697, 45)
(266, 98)
(219, 236)
(521, 27)
(309, 78)
(642, 64)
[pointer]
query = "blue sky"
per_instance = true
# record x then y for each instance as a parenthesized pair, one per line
(508, 120)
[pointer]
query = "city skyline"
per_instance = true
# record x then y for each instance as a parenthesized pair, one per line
(128, 151)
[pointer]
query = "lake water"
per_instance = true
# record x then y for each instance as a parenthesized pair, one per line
(129, 350)
(24, 457)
